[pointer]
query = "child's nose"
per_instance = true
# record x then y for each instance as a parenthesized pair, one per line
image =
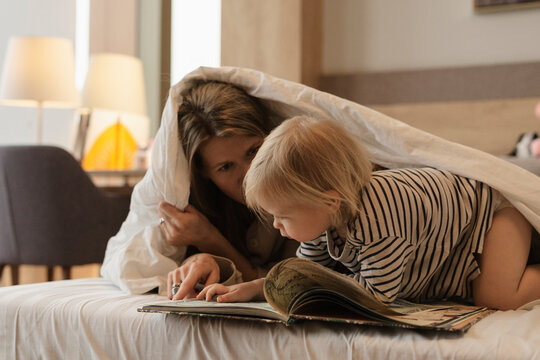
(276, 223)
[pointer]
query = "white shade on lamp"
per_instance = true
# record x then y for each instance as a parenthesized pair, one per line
(39, 71)
(115, 82)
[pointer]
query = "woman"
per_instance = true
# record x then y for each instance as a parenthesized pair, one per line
(220, 130)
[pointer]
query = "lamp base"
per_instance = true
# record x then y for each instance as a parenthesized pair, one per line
(80, 141)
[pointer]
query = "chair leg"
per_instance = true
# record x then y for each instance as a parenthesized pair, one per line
(66, 272)
(14, 274)
(2, 270)
(50, 271)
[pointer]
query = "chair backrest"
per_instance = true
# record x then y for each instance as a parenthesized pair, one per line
(51, 213)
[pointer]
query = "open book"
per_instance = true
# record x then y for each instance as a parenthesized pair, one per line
(297, 289)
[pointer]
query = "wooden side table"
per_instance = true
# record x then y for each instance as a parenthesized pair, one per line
(116, 181)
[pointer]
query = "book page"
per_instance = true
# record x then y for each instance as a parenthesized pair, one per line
(445, 315)
(291, 277)
(255, 309)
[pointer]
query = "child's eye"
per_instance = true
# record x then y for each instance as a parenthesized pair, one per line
(224, 167)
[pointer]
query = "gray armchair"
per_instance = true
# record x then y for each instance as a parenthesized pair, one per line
(51, 213)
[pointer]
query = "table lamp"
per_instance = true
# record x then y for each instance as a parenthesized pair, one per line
(114, 82)
(39, 71)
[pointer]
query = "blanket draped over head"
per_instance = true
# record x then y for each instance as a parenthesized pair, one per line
(138, 258)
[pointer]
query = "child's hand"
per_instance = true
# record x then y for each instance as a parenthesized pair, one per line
(252, 290)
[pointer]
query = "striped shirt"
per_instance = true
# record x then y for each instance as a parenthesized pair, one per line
(415, 237)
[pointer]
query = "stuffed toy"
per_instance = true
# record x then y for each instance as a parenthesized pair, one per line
(535, 144)
(528, 144)
(524, 145)
(535, 147)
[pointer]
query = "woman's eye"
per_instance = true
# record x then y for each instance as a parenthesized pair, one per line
(253, 151)
(225, 167)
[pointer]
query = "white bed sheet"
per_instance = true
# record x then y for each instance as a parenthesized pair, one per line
(92, 318)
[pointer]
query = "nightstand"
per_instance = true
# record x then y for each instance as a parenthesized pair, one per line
(116, 181)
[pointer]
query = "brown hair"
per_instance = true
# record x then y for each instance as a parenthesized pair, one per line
(208, 109)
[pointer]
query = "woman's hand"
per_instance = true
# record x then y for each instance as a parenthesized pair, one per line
(252, 290)
(188, 227)
(197, 268)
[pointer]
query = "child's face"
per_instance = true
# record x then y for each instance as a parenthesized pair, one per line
(300, 222)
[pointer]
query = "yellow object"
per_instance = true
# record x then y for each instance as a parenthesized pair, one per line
(114, 149)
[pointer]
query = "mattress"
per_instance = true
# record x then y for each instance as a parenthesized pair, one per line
(93, 319)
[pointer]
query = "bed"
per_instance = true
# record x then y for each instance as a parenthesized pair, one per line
(98, 318)
(93, 319)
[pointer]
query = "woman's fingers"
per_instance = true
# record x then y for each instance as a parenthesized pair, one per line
(177, 227)
(199, 268)
(185, 291)
(169, 284)
(213, 277)
(169, 224)
(201, 295)
(164, 232)
(165, 210)
(189, 277)
(171, 215)
(174, 278)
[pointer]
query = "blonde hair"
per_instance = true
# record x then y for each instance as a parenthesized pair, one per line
(304, 158)
(210, 109)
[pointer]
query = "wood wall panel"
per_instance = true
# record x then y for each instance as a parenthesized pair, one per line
(279, 37)
(113, 27)
(437, 85)
(485, 107)
(492, 126)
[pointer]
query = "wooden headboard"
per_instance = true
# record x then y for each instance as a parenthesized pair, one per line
(486, 107)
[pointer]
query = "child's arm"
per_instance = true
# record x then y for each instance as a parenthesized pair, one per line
(247, 291)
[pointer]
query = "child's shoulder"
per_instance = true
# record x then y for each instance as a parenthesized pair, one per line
(411, 176)
(411, 171)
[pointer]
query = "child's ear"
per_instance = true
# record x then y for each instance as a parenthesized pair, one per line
(336, 200)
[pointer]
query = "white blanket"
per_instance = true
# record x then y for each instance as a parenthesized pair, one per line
(138, 258)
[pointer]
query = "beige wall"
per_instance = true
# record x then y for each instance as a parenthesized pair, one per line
(113, 27)
(255, 35)
(492, 126)
(386, 35)
(133, 27)
(280, 37)
(437, 65)
(35, 18)
(149, 50)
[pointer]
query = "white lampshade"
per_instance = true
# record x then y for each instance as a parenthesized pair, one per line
(39, 69)
(115, 82)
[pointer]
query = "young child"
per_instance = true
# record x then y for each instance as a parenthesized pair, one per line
(416, 234)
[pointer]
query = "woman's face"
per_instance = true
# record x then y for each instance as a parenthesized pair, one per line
(226, 161)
